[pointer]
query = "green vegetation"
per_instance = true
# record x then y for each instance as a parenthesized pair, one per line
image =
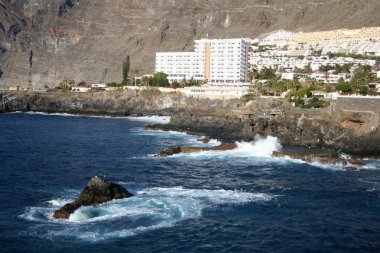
(362, 76)
(115, 85)
(306, 70)
(317, 53)
(363, 90)
(303, 91)
(134, 73)
(82, 84)
(185, 83)
(345, 68)
(344, 86)
(261, 49)
(299, 102)
(65, 85)
(316, 102)
(361, 82)
(146, 81)
(160, 79)
(264, 74)
(126, 67)
(354, 56)
(247, 97)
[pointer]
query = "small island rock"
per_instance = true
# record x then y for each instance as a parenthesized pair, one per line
(96, 191)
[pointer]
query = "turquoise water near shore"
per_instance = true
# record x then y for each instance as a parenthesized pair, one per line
(233, 201)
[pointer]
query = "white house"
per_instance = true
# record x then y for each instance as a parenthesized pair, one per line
(99, 86)
(287, 76)
(80, 89)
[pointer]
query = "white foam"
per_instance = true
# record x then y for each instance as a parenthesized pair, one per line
(58, 202)
(176, 203)
(148, 132)
(330, 166)
(75, 115)
(40, 214)
(371, 164)
(368, 165)
(214, 142)
(151, 119)
(58, 114)
(177, 138)
(261, 147)
(150, 209)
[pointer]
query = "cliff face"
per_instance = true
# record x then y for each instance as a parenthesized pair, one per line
(43, 42)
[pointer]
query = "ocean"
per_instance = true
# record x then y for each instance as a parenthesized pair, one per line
(242, 200)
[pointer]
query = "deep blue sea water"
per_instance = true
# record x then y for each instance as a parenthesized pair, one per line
(231, 201)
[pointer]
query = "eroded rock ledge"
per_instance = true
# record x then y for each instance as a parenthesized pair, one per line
(327, 157)
(186, 150)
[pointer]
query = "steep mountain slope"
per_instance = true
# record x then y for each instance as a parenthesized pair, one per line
(42, 42)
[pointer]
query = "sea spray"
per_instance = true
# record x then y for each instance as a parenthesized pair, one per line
(260, 147)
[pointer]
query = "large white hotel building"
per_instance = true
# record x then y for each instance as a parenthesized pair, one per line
(215, 61)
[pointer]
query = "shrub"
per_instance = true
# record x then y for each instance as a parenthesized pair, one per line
(344, 87)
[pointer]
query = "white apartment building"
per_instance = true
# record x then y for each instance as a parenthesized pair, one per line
(278, 39)
(215, 61)
(330, 78)
(180, 65)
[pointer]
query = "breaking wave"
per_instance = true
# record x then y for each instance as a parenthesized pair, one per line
(150, 209)
(261, 147)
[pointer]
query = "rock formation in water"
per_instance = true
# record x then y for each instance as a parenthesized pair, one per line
(322, 157)
(97, 191)
(44, 42)
(187, 150)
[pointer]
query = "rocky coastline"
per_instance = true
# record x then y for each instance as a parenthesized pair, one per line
(228, 121)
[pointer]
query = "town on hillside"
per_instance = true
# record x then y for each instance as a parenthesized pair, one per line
(299, 66)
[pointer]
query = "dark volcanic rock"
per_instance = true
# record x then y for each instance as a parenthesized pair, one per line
(186, 150)
(350, 163)
(66, 211)
(170, 152)
(97, 191)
